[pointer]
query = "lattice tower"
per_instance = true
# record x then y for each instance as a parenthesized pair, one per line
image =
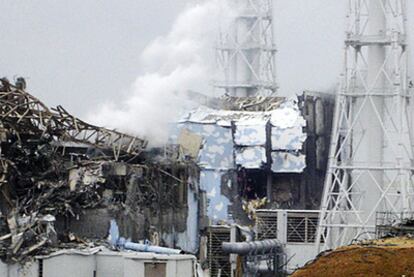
(246, 51)
(370, 167)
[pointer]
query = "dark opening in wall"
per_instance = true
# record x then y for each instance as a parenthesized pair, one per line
(252, 183)
(286, 190)
(40, 271)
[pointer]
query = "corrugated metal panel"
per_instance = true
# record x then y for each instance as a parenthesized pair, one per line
(284, 162)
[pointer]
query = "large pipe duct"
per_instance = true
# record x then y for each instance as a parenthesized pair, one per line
(246, 248)
(123, 243)
(119, 242)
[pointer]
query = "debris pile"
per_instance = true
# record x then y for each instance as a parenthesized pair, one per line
(384, 257)
(394, 226)
(54, 168)
(251, 206)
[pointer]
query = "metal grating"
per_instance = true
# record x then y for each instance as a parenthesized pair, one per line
(266, 222)
(302, 227)
(219, 262)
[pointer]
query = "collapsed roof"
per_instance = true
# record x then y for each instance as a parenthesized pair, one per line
(22, 113)
(55, 168)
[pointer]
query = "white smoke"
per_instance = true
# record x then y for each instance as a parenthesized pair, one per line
(180, 61)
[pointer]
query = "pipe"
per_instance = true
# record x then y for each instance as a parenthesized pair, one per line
(146, 247)
(259, 268)
(246, 248)
(120, 242)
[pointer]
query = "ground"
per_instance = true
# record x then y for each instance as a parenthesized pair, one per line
(386, 257)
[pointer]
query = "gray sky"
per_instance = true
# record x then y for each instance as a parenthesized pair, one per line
(77, 52)
(80, 53)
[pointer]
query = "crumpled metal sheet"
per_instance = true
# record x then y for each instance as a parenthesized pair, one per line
(287, 125)
(285, 162)
(204, 115)
(287, 115)
(74, 251)
(250, 135)
(190, 142)
(217, 209)
(251, 157)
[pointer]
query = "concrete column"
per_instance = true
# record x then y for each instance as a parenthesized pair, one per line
(369, 135)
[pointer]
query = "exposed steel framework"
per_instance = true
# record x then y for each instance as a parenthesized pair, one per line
(246, 51)
(25, 114)
(370, 167)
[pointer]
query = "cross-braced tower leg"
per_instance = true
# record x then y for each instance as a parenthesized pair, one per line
(370, 166)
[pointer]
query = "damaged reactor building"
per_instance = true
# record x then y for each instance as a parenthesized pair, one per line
(234, 167)
(236, 192)
(250, 183)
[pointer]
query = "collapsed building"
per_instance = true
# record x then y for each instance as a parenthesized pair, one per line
(62, 182)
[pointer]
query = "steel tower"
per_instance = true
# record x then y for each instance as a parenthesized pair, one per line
(370, 166)
(246, 51)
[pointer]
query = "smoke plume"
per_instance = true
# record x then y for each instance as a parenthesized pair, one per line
(179, 61)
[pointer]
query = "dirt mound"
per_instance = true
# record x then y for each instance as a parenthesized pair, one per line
(386, 257)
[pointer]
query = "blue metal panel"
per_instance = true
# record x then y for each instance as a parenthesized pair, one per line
(284, 162)
(290, 139)
(217, 151)
(251, 157)
(217, 209)
(250, 135)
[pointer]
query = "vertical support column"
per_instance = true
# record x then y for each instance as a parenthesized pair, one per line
(282, 226)
(233, 257)
(269, 185)
(269, 173)
(368, 132)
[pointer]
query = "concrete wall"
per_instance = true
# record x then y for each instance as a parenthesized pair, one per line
(174, 268)
(299, 254)
(318, 109)
(103, 264)
(68, 265)
(31, 269)
(109, 266)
